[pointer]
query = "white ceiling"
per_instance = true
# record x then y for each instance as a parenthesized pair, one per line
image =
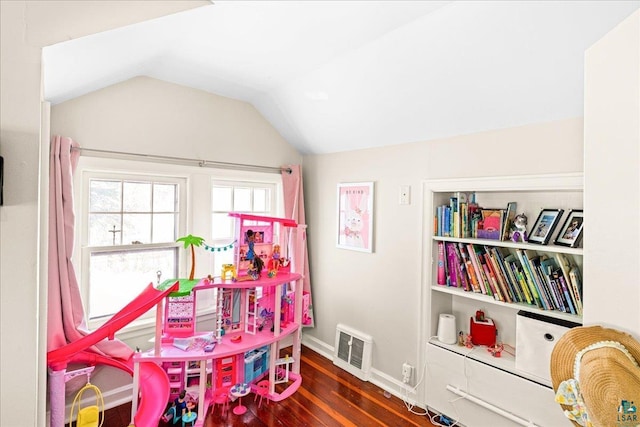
(343, 75)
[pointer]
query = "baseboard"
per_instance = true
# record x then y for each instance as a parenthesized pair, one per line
(378, 378)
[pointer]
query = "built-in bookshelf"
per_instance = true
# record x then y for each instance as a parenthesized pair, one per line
(510, 276)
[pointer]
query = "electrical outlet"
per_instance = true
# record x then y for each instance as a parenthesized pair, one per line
(406, 372)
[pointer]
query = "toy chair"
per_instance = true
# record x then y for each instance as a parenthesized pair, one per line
(221, 397)
(262, 390)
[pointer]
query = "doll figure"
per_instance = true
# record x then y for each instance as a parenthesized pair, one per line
(250, 239)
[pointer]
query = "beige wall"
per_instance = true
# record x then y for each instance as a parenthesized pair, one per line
(149, 116)
(379, 293)
(612, 178)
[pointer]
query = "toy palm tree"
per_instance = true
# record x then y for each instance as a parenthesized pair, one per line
(191, 241)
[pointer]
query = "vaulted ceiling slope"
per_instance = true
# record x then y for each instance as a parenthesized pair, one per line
(342, 75)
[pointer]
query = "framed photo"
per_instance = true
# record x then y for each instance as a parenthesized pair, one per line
(571, 232)
(545, 224)
(355, 216)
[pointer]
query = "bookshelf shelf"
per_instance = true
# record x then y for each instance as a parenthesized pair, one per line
(506, 362)
(486, 299)
(508, 244)
(476, 369)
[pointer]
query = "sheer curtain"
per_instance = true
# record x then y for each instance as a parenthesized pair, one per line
(294, 209)
(66, 318)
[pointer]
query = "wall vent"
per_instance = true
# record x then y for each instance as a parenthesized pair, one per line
(352, 351)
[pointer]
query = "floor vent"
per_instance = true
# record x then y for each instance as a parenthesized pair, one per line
(352, 351)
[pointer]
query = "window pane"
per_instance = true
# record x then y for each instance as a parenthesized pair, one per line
(164, 228)
(104, 196)
(101, 227)
(242, 199)
(136, 228)
(136, 197)
(260, 200)
(164, 198)
(117, 278)
(222, 226)
(221, 198)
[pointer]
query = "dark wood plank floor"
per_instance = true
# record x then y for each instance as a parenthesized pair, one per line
(328, 397)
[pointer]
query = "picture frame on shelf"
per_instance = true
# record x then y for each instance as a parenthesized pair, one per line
(571, 231)
(543, 228)
(355, 216)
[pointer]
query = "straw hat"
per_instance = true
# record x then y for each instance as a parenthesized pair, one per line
(601, 364)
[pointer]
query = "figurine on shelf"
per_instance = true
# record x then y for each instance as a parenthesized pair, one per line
(467, 341)
(496, 350)
(461, 339)
(519, 229)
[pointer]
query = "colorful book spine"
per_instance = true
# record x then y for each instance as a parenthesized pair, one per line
(497, 273)
(482, 280)
(441, 273)
(469, 267)
(452, 265)
(529, 278)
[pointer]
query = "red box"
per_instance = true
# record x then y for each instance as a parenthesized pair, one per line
(483, 332)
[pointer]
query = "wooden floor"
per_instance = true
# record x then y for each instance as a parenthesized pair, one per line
(328, 397)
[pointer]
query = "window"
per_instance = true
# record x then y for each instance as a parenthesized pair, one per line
(227, 196)
(132, 224)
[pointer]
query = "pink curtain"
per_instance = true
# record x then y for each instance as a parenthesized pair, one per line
(294, 209)
(66, 319)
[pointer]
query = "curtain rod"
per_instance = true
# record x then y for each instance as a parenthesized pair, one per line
(201, 163)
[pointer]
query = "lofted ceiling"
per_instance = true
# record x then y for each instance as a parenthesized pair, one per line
(332, 76)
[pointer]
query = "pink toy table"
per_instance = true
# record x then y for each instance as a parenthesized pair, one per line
(239, 391)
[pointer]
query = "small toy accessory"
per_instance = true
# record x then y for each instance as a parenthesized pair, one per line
(596, 377)
(519, 229)
(90, 416)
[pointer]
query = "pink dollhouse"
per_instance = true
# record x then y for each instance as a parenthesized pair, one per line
(255, 311)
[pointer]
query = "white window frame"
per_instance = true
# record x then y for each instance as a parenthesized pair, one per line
(83, 230)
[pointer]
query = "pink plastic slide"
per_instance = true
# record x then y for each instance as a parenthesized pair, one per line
(154, 394)
(154, 382)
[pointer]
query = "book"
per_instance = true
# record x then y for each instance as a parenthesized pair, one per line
(509, 216)
(475, 286)
(565, 267)
(496, 279)
(510, 281)
(529, 278)
(510, 264)
(545, 294)
(465, 282)
(479, 270)
(576, 283)
(498, 274)
(547, 267)
(441, 271)
(452, 265)
(490, 227)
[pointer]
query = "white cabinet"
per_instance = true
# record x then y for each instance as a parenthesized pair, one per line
(481, 380)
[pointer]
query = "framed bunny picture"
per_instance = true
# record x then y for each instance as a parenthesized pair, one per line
(355, 216)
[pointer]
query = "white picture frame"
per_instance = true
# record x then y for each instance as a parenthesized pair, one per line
(355, 216)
